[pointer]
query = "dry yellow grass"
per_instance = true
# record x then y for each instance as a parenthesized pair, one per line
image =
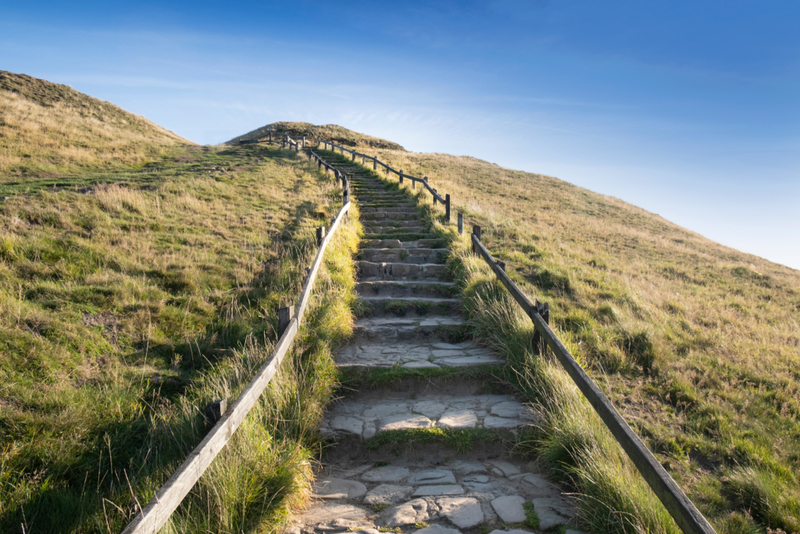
(695, 342)
(51, 128)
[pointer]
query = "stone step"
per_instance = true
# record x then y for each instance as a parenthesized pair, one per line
(396, 243)
(381, 215)
(428, 329)
(368, 413)
(405, 255)
(396, 289)
(400, 271)
(471, 492)
(411, 307)
(380, 227)
(396, 209)
(415, 354)
(402, 235)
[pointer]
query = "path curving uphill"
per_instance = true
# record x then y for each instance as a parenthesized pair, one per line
(422, 446)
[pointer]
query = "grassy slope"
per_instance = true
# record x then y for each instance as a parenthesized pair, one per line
(128, 306)
(330, 132)
(51, 128)
(695, 342)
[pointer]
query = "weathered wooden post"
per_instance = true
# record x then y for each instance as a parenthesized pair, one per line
(476, 231)
(447, 207)
(460, 223)
(284, 317)
(320, 235)
(502, 265)
(401, 177)
(304, 141)
(542, 309)
(215, 411)
(374, 164)
(353, 152)
(435, 194)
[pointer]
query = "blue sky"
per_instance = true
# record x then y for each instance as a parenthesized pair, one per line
(688, 109)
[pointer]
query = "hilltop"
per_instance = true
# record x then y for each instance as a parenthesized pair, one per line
(311, 132)
(51, 128)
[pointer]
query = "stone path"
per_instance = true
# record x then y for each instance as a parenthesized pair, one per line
(412, 321)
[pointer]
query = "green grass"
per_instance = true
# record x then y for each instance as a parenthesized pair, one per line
(130, 305)
(694, 342)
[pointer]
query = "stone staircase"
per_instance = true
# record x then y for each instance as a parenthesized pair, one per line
(411, 321)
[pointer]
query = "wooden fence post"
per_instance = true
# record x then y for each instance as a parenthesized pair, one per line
(476, 231)
(460, 223)
(542, 309)
(502, 265)
(374, 164)
(401, 176)
(320, 235)
(447, 207)
(284, 317)
(435, 201)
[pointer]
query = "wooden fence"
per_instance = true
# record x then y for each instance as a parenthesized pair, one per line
(445, 200)
(679, 506)
(682, 510)
(156, 513)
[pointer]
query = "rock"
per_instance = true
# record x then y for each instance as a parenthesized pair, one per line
(512, 531)
(354, 471)
(332, 511)
(464, 512)
(385, 409)
(432, 476)
(466, 467)
(509, 508)
(458, 419)
(432, 409)
(387, 473)
(482, 479)
(338, 525)
(445, 489)
(437, 529)
(405, 421)
(339, 488)
(408, 513)
(369, 429)
(492, 421)
(347, 424)
(508, 469)
(387, 494)
(552, 512)
(571, 531)
(509, 410)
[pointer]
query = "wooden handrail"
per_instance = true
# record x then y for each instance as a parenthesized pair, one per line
(169, 496)
(679, 506)
(445, 200)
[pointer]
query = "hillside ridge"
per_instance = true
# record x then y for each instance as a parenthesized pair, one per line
(51, 128)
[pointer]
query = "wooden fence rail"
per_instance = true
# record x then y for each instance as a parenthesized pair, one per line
(682, 510)
(156, 513)
(445, 200)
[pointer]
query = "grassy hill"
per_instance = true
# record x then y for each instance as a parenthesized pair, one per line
(330, 132)
(51, 128)
(696, 343)
(130, 300)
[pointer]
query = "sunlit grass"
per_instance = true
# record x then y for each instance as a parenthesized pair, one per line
(696, 343)
(129, 306)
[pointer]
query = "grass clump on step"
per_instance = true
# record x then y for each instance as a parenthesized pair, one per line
(460, 439)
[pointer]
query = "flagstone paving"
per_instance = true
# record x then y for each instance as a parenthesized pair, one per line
(412, 320)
